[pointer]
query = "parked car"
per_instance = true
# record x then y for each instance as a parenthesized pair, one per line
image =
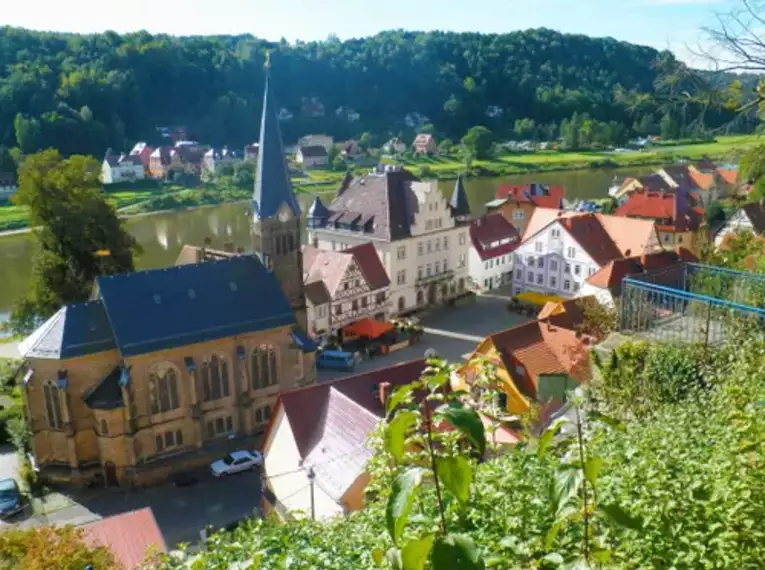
(11, 500)
(235, 462)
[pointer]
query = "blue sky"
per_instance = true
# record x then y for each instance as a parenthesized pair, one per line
(659, 23)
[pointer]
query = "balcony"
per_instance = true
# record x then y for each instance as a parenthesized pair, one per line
(437, 278)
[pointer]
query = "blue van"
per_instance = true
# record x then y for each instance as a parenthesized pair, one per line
(336, 359)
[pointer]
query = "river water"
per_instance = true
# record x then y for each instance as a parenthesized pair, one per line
(162, 235)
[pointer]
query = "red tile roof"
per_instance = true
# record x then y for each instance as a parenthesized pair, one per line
(611, 276)
(537, 194)
(491, 228)
(128, 536)
(728, 176)
(593, 238)
(371, 265)
(672, 211)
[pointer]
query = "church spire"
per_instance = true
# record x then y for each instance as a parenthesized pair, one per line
(272, 181)
(459, 202)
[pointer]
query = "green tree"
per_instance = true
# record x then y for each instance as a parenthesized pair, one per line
(27, 133)
(570, 131)
(645, 126)
(62, 194)
(669, 127)
(525, 128)
(478, 142)
(7, 164)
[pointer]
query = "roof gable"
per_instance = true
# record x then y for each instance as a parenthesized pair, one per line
(371, 265)
(489, 229)
(167, 308)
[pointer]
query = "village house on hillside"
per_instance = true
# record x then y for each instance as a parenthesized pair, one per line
(317, 140)
(122, 168)
(312, 156)
(159, 162)
(678, 218)
(425, 144)
(217, 156)
(142, 151)
(749, 217)
(493, 240)
(560, 250)
(421, 238)
(517, 202)
(344, 287)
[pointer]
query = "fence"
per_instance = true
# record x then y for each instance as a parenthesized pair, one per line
(691, 303)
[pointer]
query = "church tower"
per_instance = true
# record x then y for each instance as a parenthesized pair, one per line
(276, 223)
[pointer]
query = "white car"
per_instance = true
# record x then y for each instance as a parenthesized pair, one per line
(235, 462)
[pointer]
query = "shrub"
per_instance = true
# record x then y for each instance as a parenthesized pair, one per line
(29, 476)
(7, 417)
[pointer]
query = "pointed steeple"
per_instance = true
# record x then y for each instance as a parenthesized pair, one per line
(318, 214)
(272, 182)
(459, 202)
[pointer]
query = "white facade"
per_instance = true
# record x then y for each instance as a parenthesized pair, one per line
(602, 295)
(490, 273)
(311, 161)
(436, 254)
(738, 222)
(121, 172)
(553, 263)
(318, 317)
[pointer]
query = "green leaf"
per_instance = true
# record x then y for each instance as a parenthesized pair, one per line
(397, 431)
(400, 395)
(415, 552)
(552, 533)
(554, 559)
(456, 474)
(621, 517)
(567, 484)
(592, 469)
(468, 422)
(455, 552)
(377, 556)
(394, 558)
(548, 435)
(597, 416)
(401, 500)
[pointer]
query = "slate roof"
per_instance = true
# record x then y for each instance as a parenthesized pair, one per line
(75, 330)
(459, 202)
(491, 228)
(107, 394)
(316, 292)
(127, 535)
(313, 151)
(385, 199)
(318, 211)
(272, 181)
(755, 211)
(192, 303)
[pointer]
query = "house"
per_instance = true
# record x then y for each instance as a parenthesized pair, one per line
(165, 366)
(537, 363)
(678, 218)
(420, 236)
(394, 146)
(517, 202)
(317, 140)
(606, 284)
(122, 168)
(561, 249)
(324, 430)
(352, 149)
(159, 162)
(425, 144)
(749, 217)
(142, 151)
(7, 185)
(129, 536)
(215, 157)
(312, 156)
(490, 258)
(251, 151)
(343, 287)
(704, 179)
(194, 254)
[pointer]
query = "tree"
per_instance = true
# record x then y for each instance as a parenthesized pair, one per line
(27, 133)
(446, 147)
(478, 142)
(7, 164)
(670, 130)
(525, 128)
(645, 126)
(570, 132)
(63, 194)
(47, 547)
(427, 129)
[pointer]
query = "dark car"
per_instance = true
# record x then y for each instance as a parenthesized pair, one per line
(11, 499)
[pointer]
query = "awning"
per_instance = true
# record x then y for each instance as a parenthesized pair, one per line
(538, 299)
(369, 328)
(303, 341)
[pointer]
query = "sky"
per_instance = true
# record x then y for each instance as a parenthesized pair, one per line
(664, 24)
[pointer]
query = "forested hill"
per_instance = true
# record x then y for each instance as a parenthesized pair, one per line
(86, 93)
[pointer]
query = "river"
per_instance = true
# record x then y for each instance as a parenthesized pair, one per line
(162, 235)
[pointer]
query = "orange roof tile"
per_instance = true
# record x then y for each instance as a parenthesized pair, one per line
(728, 176)
(667, 209)
(611, 276)
(702, 179)
(128, 536)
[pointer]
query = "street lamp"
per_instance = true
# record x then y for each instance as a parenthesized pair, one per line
(311, 477)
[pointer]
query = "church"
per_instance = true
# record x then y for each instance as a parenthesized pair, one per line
(165, 370)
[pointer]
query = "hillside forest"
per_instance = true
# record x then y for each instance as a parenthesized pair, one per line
(85, 93)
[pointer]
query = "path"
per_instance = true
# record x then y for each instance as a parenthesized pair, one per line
(10, 350)
(452, 334)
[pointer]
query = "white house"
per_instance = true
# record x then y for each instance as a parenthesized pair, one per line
(7, 184)
(420, 236)
(749, 217)
(215, 156)
(395, 146)
(490, 257)
(122, 168)
(343, 287)
(312, 156)
(560, 250)
(317, 140)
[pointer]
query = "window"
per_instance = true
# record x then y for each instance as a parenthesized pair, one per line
(445, 265)
(567, 268)
(556, 232)
(438, 267)
(592, 271)
(519, 274)
(265, 371)
(163, 389)
(104, 427)
(666, 238)
(420, 248)
(518, 214)
(401, 277)
(401, 303)
(486, 284)
(53, 406)
(462, 260)
(429, 225)
(553, 265)
(345, 286)
(364, 302)
(428, 270)
(538, 247)
(530, 277)
(262, 415)
(679, 238)
(540, 278)
(540, 262)
(553, 282)
(576, 286)
(438, 244)
(214, 375)
(355, 305)
(462, 238)
(446, 242)
(219, 426)
(530, 260)
(168, 440)
(577, 269)
(338, 309)
(419, 272)
(491, 264)
(571, 252)
(430, 246)
(401, 253)
(566, 285)
(380, 298)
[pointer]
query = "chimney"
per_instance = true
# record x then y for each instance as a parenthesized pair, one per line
(384, 393)
(228, 247)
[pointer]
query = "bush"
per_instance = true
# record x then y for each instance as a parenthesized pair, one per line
(19, 434)
(28, 476)
(7, 416)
